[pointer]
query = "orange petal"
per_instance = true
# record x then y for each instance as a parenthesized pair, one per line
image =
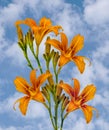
(19, 22)
(21, 85)
(28, 21)
(41, 32)
(67, 88)
(33, 77)
(42, 78)
(63, 60)
(87, 110)
(88, 93)
(45, 22)
(19, 33)
(79, 61)
(56, 29)
(76, 87)
(71, 107)
(77, 43)
(55, 43)
(39, 97)
(23, 104)
(38, 34)
(64, 41)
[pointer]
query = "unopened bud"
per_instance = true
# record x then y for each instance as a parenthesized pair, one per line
(59, 90)
(21, 45)
(45, 57)
(26, 39)
(47, 47)
(51, 54)
(62, 98)
(31, 38)
(19, 33)
(30, 35)
(65, 103)
(45, 93)
(55, 58)
(50, 80)
(48, 87)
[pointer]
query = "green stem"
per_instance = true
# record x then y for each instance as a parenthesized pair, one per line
(56, 101)
(56, 116)
(62, 119)
(50, 113)
(65, 115)
(38, 62)
(29, 63)
(37, 50)
(56, 76)
(39, 65)
(51, 117)
(47, 64)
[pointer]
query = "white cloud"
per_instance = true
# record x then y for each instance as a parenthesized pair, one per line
(96, 12)
(3, 82)
(70, 20)
(102, 124)
(81, 125)
(97, 124)
(52, 6)
(8, 103)
(10, 13)
(102, 99)
(102, 51)
(15, 54)
(3, 43)
(36, 110)
(17, 128)
(9, 128)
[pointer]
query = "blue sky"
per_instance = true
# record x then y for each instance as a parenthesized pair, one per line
(89, 18)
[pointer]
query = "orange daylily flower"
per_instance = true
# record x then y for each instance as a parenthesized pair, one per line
(45, 26)
(69, 53)
(32, 91)
(78, 101)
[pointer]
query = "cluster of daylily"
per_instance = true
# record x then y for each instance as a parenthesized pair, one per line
(46, 88)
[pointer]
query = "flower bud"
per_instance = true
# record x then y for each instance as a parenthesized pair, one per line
(50, 80)
(55, 58)
(21, 45)
(45, 57)
(45, 93)
(31, 38)
(62, 98)
(48, 87)
(52, 53)
(19, 33)
(59, 90)
(47, 47)
(65, 103)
